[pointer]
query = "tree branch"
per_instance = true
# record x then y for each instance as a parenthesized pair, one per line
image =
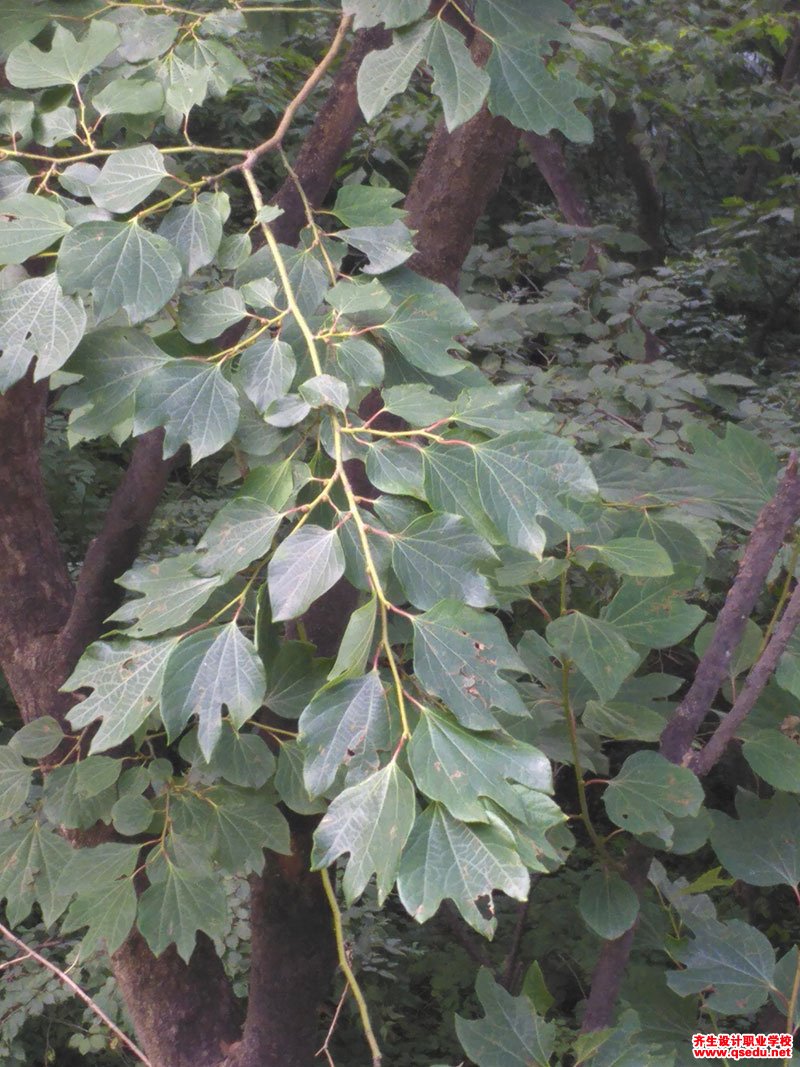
(114, 549)
(773, 524)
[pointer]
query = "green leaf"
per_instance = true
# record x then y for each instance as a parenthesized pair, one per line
(451, 485)
(175, 909)
(31, 860)
(371, 821)
(77, 795)
(127, 177)
(128, 96)
(436, 558)
(195, 232)
(241, 531)
(293, 677)
(28, 225)
(50, 127)
(303, 567)
(511, 1033)
(345, 721)
(733, 959)
(386, 72)
(100, 865)
(635, 556)
(132, 815)
(462, 862)
(386, 247)
(762, 848)
(38, 738)
(395, 468)
(646, 790)
(15, 782)
(775, 758)
(266, 371)
(208, 671)
(289, 782)
(108, 911)
(36, 319)
(652, 613)
(126, 679)
(460, 768)
(122, 265)
(194, 402)
(608, 905)
(358, 642)
(521, 475)
(358, 362)
(171, 594)
(323, 390)
(204, 316)
(14, 180)
(351, 295)
(426, 320)
(739, 471)
(461, 85)
(366, 205)
(458, 656)
(112, 363)
(68, 59)
(391, 13)
(241, 759)
(596, 648)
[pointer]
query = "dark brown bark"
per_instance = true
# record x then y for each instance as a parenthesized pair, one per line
(548, 155)
(328, 140)
(184, 1015)
(292, 960)
(625, 128)
(460, 173)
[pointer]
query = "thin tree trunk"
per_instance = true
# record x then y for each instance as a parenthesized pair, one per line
(625, 128)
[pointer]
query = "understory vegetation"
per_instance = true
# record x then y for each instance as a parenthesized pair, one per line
(398, 532)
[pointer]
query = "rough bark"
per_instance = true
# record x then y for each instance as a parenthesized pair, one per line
(625, 128)
(292, 959)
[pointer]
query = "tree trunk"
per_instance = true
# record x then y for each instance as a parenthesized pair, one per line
(625, 128)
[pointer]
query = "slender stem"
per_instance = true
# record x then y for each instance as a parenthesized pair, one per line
(347, 970)
(71, 984)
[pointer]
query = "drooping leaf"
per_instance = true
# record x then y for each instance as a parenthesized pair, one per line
(15, 782)
(371, 821)
(240, 532)
(646, 790)
(462, 862)
(36, 319)
(175, 909)
(194, 402)
(761, 849)
(385, 72)
(128, 177)
(209, 670)
(125, 678)
(108, 912)
(395, 468)
(38, 738)
(324, 390)
(425, 322)
(458, 656)
(303, 567)
(29, 224)
(122, 264)
(194, 231)
(733, 959)
(206, 315)
(171, 593)
(128, 96)
(635, 556)
(608, 905)
(652, 613)
(290, 785)
(598, 650)
(386, 247)
(391, 13)
(775, 758)
(457, 80)
(511, 1033)
(436, 558)
(266, 371)
(358, 642)
(347, 720)
(31, 860)
(460, 768)
(739, 471)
